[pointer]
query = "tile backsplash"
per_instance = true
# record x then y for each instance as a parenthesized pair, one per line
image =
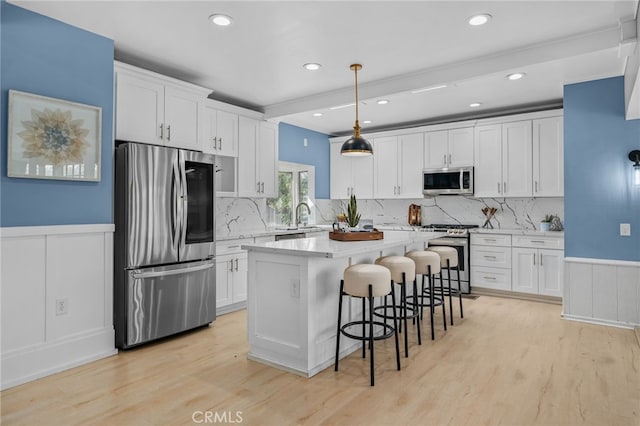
(235, 216)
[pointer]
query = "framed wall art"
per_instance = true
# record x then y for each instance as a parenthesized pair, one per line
(53, 139)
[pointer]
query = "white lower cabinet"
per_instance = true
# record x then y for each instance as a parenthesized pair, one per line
(231, 280)
(537, 271)
(491, 261)
(519, 263)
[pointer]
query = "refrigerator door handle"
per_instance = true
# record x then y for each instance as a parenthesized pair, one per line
(176, 271)
(175, 208)
(182, 202)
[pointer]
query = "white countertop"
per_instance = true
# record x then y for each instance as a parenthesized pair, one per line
(529, 232)
(322, 246)
(253, 234)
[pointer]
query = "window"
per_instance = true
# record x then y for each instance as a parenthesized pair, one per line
(296, 183)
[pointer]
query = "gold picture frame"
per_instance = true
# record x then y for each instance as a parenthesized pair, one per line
(51, 138)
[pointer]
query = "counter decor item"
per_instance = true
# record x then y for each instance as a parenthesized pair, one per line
(556, 224)
(415, 215)
(353, 233)
(353, 217)
(545, 224)
(488, 213)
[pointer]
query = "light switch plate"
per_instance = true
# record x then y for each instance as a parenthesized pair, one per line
(625, 229)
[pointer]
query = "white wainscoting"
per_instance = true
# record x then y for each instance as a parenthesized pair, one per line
(43, 264)
(602, 291)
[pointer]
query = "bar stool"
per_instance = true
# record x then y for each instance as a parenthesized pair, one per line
(449, 260)
(366, 281)
(403, 271)
(428, 264)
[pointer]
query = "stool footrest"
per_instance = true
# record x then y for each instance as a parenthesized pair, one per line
(411, 313)
(436, 301)
(389, 330)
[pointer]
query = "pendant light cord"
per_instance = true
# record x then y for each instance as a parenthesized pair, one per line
(356, 128)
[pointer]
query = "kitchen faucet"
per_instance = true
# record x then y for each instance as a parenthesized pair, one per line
(298, 211)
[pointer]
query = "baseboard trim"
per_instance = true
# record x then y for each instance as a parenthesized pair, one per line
(600, 322)
(637, 331)
(25, 365)
(475, 291)
(231, 308)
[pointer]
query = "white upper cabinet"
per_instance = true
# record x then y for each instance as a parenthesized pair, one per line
(350, 175)
(449, 148)
(548, 157)
(157, 110)
(257, 158)
(516, 159)
(503, 160)
(220, 131)
(398, 166)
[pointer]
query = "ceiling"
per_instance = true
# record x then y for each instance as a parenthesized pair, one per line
(403, 46)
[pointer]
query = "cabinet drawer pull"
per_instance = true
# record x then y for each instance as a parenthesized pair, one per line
(449, 159)
(162, 131)
(498, 187)
(169, 132)
(220, 143)
(490, 257)
(537, 241)
(490, 278)
(444, 159)
(231, 265)
(490, 240)
(236, 264)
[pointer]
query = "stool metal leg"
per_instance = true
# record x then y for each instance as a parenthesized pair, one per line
(395, 326)
(364, 344)
(371, 330)
(444, 309)
(449, 287)
(459, 291)
(431, 301)
(415, 312)
(339, 320)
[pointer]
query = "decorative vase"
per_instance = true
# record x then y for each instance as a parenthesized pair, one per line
(544, 226)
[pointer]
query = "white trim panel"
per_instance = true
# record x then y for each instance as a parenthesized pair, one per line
(41, 266)
(602, 291)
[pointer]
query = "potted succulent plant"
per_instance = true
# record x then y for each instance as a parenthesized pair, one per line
(545, 224)
(353, 217)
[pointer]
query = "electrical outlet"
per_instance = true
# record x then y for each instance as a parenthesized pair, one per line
(625, 229)
(62, 306)
(306, 142)
(295, 288)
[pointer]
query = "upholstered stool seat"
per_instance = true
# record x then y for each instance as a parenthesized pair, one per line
(366, 281)
(403, 273)
(428, 265)
(448, 261)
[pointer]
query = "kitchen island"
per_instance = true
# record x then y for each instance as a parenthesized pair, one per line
(292, 302)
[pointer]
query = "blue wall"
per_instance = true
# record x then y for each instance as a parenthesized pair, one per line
(598, 190)
(46, 57)
(291, 148)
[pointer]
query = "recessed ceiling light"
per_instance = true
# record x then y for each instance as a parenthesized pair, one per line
(382, 101)
(317, 114)
(475, 104)
(220, 19)
(427, 89)
(480, 19)
(312, 66)
(516, 76)
(366, 122)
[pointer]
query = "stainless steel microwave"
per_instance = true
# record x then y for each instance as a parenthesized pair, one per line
(450, 181)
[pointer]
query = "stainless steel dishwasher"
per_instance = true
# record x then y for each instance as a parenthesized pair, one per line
(293, 236)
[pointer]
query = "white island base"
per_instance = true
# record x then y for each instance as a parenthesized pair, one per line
(292, 303)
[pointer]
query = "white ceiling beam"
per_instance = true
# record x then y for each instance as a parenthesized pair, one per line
(461, 71)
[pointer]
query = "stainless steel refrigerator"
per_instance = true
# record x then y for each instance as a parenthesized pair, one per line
(164, 249)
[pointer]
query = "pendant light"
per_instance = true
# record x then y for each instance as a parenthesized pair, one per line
(357, 145)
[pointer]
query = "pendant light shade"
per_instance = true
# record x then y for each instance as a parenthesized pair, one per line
(356, 145)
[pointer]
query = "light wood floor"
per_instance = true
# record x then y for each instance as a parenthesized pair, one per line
(509, 362)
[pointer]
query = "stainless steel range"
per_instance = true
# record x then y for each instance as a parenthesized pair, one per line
(458, 238)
